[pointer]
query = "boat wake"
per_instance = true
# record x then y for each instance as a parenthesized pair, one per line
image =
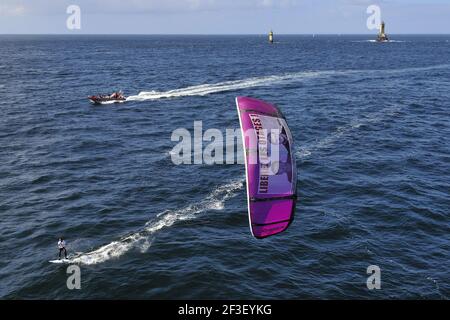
(206, 89)
(376, 41)
(214, 201)
(109, 102)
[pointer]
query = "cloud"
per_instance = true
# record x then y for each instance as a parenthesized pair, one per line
(47, 7)
(141, 6)
(278, 3)
(11, 9)
(360, 2)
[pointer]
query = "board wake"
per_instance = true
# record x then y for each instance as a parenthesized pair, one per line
(62, 261)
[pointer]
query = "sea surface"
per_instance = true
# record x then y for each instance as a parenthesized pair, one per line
(371, 124)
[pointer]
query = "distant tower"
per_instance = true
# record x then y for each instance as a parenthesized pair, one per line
(382, 37)
(271, 36)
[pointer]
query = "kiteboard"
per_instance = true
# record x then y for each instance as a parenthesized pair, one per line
(62, 261)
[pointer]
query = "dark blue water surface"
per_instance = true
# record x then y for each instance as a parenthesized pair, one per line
(371, 124)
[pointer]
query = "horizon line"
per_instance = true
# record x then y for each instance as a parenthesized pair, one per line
(217, 34)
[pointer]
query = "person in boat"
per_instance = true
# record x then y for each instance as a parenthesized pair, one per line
(116, 95)
(62, 247)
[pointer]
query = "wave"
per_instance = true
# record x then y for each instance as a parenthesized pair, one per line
(206, 89)
(214, 201)
(375, 117)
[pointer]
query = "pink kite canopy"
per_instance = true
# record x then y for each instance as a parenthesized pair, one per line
(270, 167)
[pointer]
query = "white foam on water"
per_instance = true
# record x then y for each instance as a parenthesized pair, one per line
(109, 102)
(375, 41)
(359, 41)
(206, 89)
(327, 142)
(214, 201)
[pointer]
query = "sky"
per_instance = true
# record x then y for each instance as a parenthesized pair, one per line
(223, 16)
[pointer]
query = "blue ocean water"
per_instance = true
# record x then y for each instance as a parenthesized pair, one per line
(371, 127)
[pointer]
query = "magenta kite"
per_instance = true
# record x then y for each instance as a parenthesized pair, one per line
(270, 167)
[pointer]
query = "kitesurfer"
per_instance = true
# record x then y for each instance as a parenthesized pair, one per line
(62, 247)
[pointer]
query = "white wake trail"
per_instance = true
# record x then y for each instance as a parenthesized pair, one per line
(206, 89)
(214, 201)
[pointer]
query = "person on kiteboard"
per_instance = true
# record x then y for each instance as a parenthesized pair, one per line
(62, 247)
